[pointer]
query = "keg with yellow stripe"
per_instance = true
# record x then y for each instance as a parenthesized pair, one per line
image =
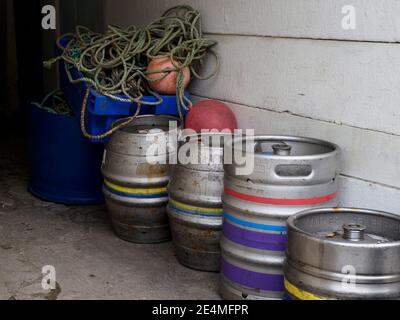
(136, 173)
(284, 175)
(343, 254)
(195, 206)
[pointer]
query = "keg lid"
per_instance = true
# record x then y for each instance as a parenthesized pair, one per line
(354, 233)
(348, 225)
(151, 130)
(146, 129)
(285, 161)
(213, 140)
(286, 146)
(326, 241)
(203, 151)
(148, 124)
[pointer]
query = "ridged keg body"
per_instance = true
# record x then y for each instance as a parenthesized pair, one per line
(290, 174)
(195, 205)
(136, 175)
(342, 253)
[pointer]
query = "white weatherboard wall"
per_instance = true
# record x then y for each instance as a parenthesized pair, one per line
(288, 67)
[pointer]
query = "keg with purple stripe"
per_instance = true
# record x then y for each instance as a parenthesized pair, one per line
(290, 174)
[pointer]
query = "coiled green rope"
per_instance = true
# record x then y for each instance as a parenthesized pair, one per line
(115, 63)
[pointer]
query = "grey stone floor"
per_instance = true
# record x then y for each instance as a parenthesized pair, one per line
(90, 261)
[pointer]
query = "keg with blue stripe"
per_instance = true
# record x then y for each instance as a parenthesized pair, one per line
(136, 174)
(195, 205)
(284, 175)
(343, 254)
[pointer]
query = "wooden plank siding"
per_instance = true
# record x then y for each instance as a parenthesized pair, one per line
(313, 19)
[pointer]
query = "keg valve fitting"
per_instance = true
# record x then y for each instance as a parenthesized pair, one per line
(282, 149)
(354, 232)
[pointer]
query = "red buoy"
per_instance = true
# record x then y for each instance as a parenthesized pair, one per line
(211, 115)
(166, 85)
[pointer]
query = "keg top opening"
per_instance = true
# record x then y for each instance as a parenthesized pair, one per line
(348, 225)
(149, 124)
(208, 140)
(286, 146)
(354, 232)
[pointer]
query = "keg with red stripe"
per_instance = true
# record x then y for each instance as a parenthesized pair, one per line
(289, 174)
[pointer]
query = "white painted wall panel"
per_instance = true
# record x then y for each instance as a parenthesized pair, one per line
(353, 83)
(368, 155)
(360, 194)
(377, 20)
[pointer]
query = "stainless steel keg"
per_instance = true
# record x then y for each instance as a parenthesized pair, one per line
(290, 174)
(136, 173)
(343, 254)
(195, 205)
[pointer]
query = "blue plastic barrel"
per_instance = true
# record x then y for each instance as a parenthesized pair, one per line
(65, 167)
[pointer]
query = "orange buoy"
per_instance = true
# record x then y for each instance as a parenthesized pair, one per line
(211, 115)
(166, 85)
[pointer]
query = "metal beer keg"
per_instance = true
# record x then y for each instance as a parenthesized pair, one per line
(136, 174)
(343, 254)
(195, 205)
(290, 174)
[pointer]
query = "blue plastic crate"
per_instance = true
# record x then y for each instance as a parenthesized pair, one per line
(103, 111)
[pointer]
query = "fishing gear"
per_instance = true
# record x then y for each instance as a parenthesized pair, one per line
(115, 64)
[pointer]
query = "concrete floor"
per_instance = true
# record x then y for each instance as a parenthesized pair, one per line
(90, 261)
